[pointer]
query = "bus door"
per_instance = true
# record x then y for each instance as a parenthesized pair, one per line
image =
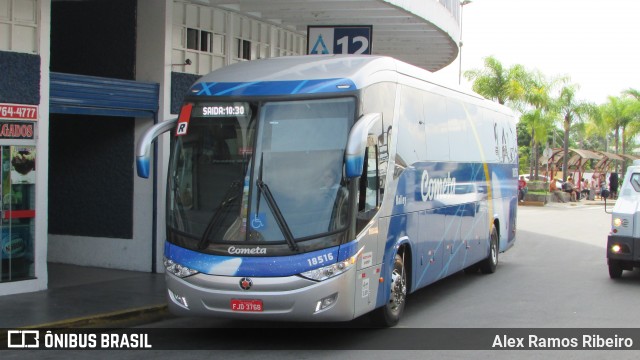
(370, 229)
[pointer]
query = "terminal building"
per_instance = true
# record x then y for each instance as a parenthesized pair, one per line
(82, 79)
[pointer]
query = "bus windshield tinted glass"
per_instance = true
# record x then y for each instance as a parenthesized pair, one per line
(293, 149)
(299, 154)
(208, 170)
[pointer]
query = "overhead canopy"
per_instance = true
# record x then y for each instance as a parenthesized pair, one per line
(579, 157)
(420, 32)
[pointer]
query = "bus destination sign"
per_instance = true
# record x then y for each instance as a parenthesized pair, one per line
(239, 109)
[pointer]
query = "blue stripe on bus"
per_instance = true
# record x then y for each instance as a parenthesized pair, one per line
(273, 87)
(263, 266)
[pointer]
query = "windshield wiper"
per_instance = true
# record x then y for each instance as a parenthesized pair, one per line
(229, 197)
(277, 214)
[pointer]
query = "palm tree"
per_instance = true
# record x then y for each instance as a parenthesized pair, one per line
(496, 83)
(618, 113)
(539, 113)
(632, 92)
(570, 109)
(634, 111)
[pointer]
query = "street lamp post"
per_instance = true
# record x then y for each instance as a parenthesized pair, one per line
(462, 4)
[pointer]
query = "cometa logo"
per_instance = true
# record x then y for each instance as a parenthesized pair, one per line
(435, 188)
(247, 251)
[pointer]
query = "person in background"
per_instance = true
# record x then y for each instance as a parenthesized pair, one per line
(570, 188)
(602, 184)
(555, 191)
(522, 188)
(613, 185)
(584, 188)
(593, 188)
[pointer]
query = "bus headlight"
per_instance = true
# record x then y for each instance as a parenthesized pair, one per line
(329, 271)
(617, 222)
(177, 269)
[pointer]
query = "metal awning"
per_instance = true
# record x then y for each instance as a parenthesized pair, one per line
(420, 32)
(91, 95)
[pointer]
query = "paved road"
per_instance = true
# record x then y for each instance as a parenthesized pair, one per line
(555, 277)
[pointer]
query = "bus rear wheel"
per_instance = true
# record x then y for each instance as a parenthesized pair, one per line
(489, 265)
(389, 314)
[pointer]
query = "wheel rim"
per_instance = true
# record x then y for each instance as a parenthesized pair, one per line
(494, 249)
(398, 290)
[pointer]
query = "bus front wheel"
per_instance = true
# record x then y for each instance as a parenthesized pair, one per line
(389, 314)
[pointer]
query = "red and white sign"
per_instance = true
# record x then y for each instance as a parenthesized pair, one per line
(246, 305)
(18, 112)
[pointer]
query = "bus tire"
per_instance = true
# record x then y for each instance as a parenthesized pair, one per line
(615, 270)
(489, 265)
(389, 314)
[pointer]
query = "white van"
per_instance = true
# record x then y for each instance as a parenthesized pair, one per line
(623, 244)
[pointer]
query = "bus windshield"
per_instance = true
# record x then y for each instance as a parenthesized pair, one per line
(259, 174)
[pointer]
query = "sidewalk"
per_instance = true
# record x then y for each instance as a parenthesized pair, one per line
(91, 297)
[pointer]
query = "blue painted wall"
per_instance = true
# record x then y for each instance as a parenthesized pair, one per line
(19, 78)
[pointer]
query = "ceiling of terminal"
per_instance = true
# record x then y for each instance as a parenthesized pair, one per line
(396, 31)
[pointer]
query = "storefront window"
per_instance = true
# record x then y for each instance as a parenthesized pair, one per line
(17, 215)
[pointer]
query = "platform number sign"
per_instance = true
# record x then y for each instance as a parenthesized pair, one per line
(339, 39)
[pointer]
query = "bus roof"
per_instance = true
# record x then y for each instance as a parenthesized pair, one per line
(311, 74)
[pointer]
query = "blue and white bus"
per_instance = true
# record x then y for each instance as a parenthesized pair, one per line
(322, 188)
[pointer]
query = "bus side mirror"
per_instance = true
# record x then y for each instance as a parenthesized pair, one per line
(357, 144)
(143, 151)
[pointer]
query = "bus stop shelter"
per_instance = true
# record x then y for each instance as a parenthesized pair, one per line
(578, 159)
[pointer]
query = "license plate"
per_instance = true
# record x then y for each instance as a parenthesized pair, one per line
(246, 305)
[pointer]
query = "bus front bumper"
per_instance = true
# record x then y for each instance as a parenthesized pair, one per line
(290, 298)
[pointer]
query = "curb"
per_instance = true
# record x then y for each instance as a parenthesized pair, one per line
(121, 318)
(531, 203)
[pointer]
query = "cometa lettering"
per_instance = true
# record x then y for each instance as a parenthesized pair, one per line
(435, 188)
(247, 251)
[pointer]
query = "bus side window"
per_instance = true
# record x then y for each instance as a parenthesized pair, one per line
(368, 191)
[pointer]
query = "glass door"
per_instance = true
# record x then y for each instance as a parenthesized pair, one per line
(17, 213)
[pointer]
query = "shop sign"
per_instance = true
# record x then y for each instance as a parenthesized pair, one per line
(16, 130)
(18, 112)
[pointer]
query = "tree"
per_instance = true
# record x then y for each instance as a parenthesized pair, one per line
(633, 128)
(570, 109)
(496, 83)
(633, 93)
(617, 113)
(539, 113)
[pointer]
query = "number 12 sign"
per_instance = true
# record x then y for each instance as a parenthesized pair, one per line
(342, 39)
